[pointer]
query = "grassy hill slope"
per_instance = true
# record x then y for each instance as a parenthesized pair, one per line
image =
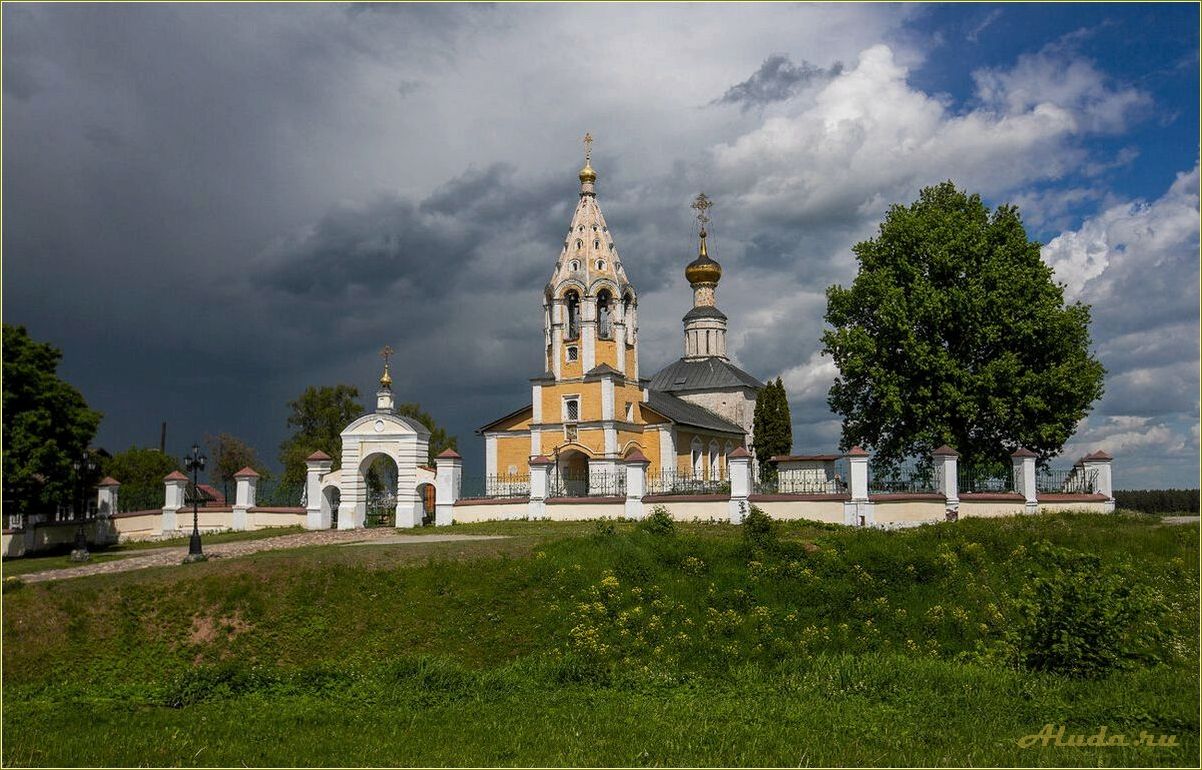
(615, 645)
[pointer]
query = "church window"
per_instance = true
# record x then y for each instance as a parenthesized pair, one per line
(611, 247)
(600, 264)
(574, 265)
(573, 303)
(604, 325)
(579, 244)
(573, 353)
(571, 409)
(697, 466)
(596, 244)
(580, 228)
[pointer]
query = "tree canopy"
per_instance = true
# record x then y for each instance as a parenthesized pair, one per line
(954, 332)
(229, 454)
(440, 440)
(772, 424)
(140, 471)
(47, 424)
(318, 417)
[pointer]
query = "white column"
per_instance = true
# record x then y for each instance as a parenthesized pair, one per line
(620, 344)
(317, 514)
(1023, 461)
(946, 462)
(539, 484)
(536, 402)
(667, 449)
(490, 454)
(106, 506)
(247, 483)
(1100, 462)
(448, 484)
(738, 465)
(857, 511)
(557, 311)
(607, 398)
(636, 484)
(588, 332)
(175, 483)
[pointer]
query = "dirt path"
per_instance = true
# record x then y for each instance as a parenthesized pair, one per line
(1179, 520)
(161, 557)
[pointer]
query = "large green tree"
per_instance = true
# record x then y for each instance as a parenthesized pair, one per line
(229, 454)
(318, 417)
(954, 332)
(772, 425)
(440, 440)
(47, 424)
(140, 471)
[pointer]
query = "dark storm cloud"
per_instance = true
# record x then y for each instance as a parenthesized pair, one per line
(777, 79)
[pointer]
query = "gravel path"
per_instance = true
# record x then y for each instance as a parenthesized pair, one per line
(161, 557)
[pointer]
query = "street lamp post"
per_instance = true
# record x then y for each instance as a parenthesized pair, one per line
(195, 462)
(85, 468)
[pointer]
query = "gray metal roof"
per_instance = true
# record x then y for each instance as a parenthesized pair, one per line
(702, 374)
(704, 311)
(682, 412)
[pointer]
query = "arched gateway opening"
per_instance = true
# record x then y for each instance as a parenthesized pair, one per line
(380, 475)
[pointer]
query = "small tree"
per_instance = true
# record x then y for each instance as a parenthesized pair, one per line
(772, 425)
(47, 424)
(318, 417)
(229, 454)
(140, 471)
(440, 440)
(954, 332)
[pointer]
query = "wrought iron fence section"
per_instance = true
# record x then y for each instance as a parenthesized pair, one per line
(494, 485)
(977, 480)
(1077, 481)
(276, 494)
(381, 510)
(678, 482)
(591, 484)
(904, 479)
(131, 498)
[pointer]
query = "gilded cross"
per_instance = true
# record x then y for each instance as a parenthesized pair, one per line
(386, 353)
(702, 204)
(588, 147)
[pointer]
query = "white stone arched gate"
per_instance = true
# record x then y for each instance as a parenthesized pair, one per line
(382, 432)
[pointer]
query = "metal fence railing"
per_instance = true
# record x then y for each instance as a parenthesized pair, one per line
(1077, 481)
(273, 493)
(902, 479)
(495, 485)
(132, 498)
(969, 480)
(667, 481)
(826, 478)
(589, 484)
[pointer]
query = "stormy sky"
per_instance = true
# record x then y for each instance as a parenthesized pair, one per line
(211, 207)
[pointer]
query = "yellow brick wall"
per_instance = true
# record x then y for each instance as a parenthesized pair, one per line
(513, 450)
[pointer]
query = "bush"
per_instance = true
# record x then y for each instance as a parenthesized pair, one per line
(1155, 500)
(659, 522)
(759, 530)
(1082, 621)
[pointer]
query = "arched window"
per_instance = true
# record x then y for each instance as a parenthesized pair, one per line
(574, 265)
(572, 300)
(715, 470)
(596, 244)
(697, 461)
(604, 308)
(579, 244)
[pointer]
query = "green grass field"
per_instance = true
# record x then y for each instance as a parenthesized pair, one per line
(586, 644)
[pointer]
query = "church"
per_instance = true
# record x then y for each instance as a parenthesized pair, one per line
(590, 409)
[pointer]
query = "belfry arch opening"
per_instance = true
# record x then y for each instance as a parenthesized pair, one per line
(571, 300)
(604, 313)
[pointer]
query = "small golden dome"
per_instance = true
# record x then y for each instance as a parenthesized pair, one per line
(386, 378)
(587, 174)
(703, 269)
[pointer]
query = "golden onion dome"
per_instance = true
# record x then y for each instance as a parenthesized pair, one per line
(587, 174)
(386, 379)
(703, 269)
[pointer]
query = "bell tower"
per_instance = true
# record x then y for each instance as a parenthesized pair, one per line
(590, 308)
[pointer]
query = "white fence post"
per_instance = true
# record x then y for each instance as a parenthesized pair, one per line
(175, 483)
(106, 506)
(317, 515)
(636, 483)
(1100, 462)
(1024, 478)
(448, 485)
(857, 511)
(539, 477)
(247, 482)
(946, 469)
(738, 466)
